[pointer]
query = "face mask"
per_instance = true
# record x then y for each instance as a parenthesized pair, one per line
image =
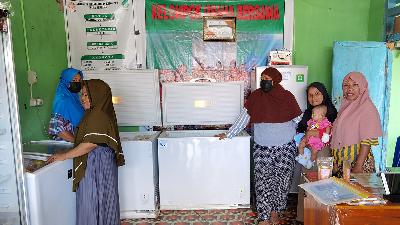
(266, 85)
(74, 87)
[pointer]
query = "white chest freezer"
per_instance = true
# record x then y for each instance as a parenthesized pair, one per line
(199, 171)
(196, 169)
(138, 178)
(49, 189)
(136, 98)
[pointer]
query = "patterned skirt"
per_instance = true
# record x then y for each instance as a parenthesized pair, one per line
(273, 171)
(97, 201)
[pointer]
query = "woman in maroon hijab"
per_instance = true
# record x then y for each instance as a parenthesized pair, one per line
(273, 112)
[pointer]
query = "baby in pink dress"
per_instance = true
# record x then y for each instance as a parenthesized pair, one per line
(318, 132)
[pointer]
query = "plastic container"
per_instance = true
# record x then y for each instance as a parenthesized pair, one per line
(346, 170)
(325, 166)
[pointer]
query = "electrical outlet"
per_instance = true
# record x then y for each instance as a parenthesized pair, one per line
(36, 102)
(32, 77)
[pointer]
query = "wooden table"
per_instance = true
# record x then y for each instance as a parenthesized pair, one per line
(315, 213)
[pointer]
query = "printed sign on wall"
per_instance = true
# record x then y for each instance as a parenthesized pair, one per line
(105, 35)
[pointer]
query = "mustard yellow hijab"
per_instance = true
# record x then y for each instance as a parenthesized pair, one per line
(98, 126)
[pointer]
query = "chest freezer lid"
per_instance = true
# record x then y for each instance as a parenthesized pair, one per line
(46, 146)
(136, 95)
(201, 103)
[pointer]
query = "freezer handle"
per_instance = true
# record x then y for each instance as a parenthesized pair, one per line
(203, 79)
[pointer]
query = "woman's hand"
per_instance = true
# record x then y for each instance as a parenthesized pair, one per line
(361, 157)
(221, 136)
(57, 157)
(357, 169)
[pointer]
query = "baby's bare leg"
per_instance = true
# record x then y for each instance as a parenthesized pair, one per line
(303, 142)
(302, 145)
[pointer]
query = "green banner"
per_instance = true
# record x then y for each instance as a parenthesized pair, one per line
(216, 40)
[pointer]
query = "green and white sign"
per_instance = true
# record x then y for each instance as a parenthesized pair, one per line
(300, 78)
(106, 35)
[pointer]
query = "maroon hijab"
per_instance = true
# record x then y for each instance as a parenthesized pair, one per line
(276, 106)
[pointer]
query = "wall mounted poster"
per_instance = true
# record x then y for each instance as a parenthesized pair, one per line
(176, 47)
(105, 35)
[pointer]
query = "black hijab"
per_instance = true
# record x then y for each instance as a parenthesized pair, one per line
(330, 114)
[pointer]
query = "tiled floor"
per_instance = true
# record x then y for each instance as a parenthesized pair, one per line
(214, 217)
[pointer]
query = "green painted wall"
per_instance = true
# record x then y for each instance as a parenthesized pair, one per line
(394, 111)
(319, 23)
(376, 20)
(46, 43)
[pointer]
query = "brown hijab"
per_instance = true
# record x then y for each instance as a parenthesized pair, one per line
(276, 106)
(98, 126)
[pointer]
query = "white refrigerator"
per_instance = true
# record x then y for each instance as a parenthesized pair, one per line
(196, 169)
(136, 98)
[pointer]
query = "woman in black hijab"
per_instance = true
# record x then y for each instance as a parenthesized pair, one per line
(316, 95)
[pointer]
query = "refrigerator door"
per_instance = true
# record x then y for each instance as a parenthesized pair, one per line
(199, 171)
(138, 178)
(294, 79)
(50, 197)
(371, 59)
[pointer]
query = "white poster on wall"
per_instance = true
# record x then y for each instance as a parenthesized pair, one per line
(105, 35)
